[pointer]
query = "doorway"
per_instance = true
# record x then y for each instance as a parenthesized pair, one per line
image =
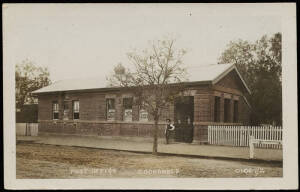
(184, 118)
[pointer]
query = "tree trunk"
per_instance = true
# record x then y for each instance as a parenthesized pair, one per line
(154, 151)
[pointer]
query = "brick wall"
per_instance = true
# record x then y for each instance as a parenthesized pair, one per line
(100, 128)
(202, 108)
(200, 133)
(232, 81)
(231, 87)
(92, 107)
(92, 119)
(45, 106)
(93, 112)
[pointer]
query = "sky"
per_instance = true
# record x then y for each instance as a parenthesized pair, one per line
(88, 40)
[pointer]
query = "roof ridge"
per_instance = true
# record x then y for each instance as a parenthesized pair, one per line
(204, 73)
(80, 78)
(195, 66)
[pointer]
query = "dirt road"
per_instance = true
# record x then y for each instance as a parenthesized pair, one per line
(50, 161)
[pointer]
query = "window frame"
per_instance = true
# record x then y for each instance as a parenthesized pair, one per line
(142, 108)
(55, 110)
(113, 109)
(73, 109)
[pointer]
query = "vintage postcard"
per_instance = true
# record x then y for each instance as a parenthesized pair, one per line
(150, 96)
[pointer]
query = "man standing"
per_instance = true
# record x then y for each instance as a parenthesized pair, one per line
(169, 127)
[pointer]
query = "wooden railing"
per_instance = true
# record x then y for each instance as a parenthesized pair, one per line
(240, 135)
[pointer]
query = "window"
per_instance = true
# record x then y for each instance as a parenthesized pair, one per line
(226, 110)
(217, 110)
(55, 110)
(143, 113)
(127, 104)
(110, 109)
(75, 109)
(235, 111)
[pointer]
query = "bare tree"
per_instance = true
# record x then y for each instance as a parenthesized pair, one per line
(156, 79)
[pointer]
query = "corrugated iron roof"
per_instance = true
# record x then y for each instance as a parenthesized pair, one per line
(201, 73)
(206, 72)
(74, 84)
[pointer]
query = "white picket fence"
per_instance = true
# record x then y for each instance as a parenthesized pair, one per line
(27, 129)
(239, 135)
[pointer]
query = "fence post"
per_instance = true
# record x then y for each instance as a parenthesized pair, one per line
(208, 134)
(29, 129)
(251, 145)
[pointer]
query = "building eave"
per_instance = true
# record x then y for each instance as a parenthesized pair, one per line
(231, 68)
(194, 83)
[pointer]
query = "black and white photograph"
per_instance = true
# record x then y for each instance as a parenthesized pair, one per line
(151, 96)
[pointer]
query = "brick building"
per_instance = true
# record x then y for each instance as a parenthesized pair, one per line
(88, 107)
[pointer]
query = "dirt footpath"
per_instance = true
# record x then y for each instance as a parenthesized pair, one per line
(144, 145)
(50, 161)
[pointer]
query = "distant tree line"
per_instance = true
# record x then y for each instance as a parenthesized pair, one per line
(260, 65)
(29, 78)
